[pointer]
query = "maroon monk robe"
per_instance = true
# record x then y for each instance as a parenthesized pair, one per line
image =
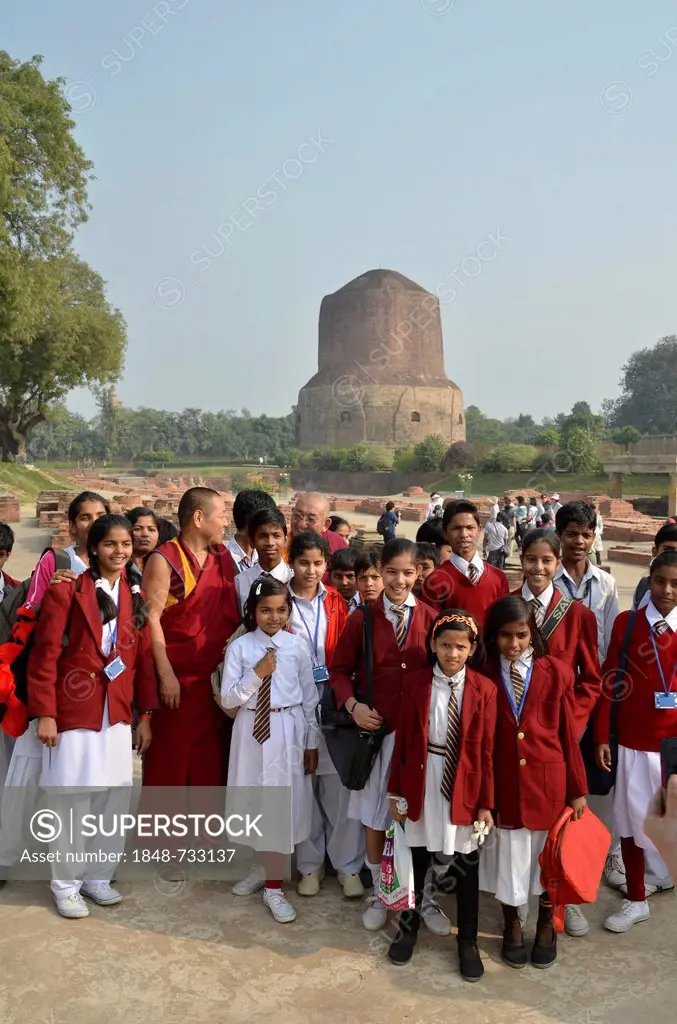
(190, 744)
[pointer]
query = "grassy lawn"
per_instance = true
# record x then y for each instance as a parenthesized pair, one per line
(27, 483)
(634, 486)
(171, 469)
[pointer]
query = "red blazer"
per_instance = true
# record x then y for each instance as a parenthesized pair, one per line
(575, 643)
(639, 724)
(474, 782)
(391, 665)
(337, 616)
(68, 682)
(538, 762)
(447, 587)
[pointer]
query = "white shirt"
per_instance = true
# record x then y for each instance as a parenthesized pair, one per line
(462, 565)
(532, 513)
(653, 616)
(543, 599)
(77, 565)
(244, 580)
(109, 629)
(495, 509)
(292, 684)
(241, 558)
(439, 703)
(392, 617)
(523, 664)
(598, 592)
(355, 602)
(495, 536)
(303, 609)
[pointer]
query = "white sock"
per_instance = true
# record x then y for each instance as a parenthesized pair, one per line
(375, 874)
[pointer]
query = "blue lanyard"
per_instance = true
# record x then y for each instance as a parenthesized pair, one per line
(517, 711)
(572, 593)
(666, 688)
(312, 640)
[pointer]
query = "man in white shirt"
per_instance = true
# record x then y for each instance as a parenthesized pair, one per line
(577, 577)
(245, 505)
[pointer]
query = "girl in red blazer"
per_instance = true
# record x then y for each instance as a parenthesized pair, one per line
(646, 714)
(538, 767)
(442, 777)
(91, 659)
(400, 628)
(318, 615)
(570, 627)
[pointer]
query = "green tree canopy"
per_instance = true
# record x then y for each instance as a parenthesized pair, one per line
(626, 436)
(57, 330)
(648, 390)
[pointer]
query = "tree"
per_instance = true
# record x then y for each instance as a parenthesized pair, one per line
(482, 429)
(625, 436)
(457, 456)
(648, 389)
(57, 330)
(509, 458)
(548, 437)
(581, 447)
(429, 452)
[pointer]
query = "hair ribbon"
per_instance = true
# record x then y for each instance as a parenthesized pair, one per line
(464, 619)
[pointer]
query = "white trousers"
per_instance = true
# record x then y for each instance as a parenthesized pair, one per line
(332, 832)
(105, 852)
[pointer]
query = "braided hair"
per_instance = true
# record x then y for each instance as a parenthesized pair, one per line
(98, 532)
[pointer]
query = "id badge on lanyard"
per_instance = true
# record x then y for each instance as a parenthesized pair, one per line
(320, 672)
(667, 699)
(587, 593)
(117, 666)
(517, 711)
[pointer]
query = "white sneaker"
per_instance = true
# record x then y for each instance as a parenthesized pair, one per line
(436, 921)
(614, 871)
(309, 885)
(102, 893)
(574, 921)
(255, 880)
(375, 916)
(351, 885)
(629, 914)
(279, 906)
(71, 906)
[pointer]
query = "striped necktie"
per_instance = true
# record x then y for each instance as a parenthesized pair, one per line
(451, 744)
(517, 683)
(401, 626)
(262, 716)
(473, 574)
(660, 627)
(538, 610)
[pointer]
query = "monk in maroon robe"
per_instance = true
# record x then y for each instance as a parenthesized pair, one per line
(188, 583)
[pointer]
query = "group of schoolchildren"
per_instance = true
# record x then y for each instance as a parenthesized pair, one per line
(482, 696)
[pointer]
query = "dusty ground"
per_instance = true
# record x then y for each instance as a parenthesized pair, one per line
(193, 952)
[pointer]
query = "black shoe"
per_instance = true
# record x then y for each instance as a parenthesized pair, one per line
(514, 954)
(544, 954)
(402, 949)
(470, 961)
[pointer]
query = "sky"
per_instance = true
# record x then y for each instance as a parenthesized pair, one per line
(394, 133)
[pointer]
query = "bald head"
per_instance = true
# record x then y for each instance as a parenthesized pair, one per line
(203, 511)
(310, 512)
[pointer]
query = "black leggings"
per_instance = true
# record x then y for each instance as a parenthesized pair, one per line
(461, 878)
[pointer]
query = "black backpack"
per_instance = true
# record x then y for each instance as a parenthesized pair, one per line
(381, 525)
(12, 602)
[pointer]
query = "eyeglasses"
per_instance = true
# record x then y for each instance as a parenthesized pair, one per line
(307, 517)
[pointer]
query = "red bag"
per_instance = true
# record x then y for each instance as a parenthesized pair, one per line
(572, 861)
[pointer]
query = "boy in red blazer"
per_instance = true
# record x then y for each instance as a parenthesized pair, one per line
(465, 580)
(81, 693)
(646, 714)
(400, 630)
(318, 615)
(442, 778)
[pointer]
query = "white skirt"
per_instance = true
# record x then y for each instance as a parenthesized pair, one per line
(371, 805)
(509, 866)
(85, 758)
(638, 777)
(264, 766)
(434, 829)
(25, 765)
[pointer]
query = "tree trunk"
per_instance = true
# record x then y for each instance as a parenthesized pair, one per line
(14, 433)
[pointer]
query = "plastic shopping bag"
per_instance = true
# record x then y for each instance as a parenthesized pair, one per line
(397, 871)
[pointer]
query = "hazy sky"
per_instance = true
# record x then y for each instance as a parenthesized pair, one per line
(441, 123)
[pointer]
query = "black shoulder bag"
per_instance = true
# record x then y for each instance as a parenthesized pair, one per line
(351, 749)
(600, 783)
